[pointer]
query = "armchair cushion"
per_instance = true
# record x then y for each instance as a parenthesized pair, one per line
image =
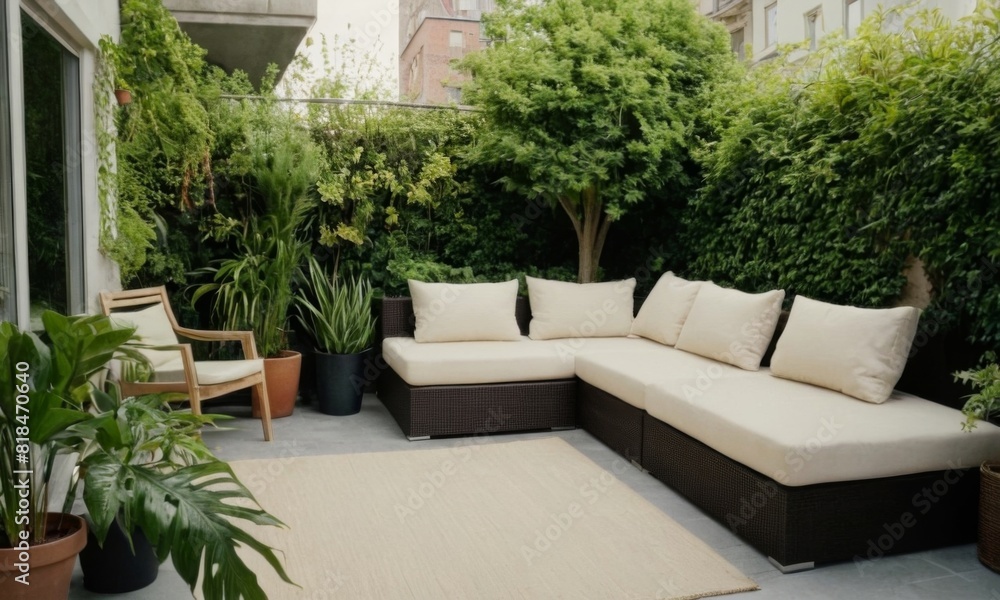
(154, 329)
(210, 372)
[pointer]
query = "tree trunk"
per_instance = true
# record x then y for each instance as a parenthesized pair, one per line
(591, 224)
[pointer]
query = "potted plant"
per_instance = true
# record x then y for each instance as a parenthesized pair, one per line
(253, 288)
(181, 499)
(338, 315)
(44, 392)
(982, 405)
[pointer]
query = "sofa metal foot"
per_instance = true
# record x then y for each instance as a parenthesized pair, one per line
(786, 569)
(563, 428)
(418, 438)
(636, 464)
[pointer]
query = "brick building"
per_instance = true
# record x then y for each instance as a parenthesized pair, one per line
(433, 33)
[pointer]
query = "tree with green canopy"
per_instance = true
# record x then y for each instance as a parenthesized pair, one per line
(589, 104)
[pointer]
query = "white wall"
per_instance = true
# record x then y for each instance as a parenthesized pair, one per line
(792, 22)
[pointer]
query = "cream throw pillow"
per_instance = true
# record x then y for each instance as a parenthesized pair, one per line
(573, 310)
(451, 312)
(152, 326)
(731, 326)
(860, 352)
(663, 313)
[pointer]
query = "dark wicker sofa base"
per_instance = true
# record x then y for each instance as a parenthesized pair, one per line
(616, 423)
(852, 520)
(437, 410)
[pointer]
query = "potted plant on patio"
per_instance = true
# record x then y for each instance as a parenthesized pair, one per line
(141, 465)
(982, 405)
(145, 472)
(253, 288)
(44, 391)
(337, 313)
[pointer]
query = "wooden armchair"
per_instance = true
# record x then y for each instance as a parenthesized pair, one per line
(173, 364)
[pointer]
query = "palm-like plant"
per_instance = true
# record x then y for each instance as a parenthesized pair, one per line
(253, 288)
(337, 312)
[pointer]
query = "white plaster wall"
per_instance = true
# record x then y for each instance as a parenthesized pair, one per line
(791, 17)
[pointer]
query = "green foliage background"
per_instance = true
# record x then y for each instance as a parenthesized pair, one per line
(826, 177)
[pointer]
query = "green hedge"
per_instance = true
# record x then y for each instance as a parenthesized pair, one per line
(824, 177)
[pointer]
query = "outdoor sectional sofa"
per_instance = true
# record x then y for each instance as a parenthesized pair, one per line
(805, 472)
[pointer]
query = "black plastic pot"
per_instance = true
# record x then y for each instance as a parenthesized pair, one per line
(113, 569)
(340, 382)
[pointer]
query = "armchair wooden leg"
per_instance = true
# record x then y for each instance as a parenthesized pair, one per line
(195, 398)
(265, 409)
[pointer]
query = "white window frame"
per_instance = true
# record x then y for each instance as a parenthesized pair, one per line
(770, 29)
(848, 33)
(814, 18)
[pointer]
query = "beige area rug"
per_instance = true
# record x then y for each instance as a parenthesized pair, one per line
(520, 520)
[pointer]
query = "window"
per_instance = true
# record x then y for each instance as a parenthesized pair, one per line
(453, 94)
(771, 25)
(456, 39)
(814, 26)
(54, 185)
(852, 17)
(737, 43)
(8, 300)
(468, 5)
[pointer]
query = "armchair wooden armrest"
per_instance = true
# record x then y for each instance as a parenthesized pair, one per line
(244, 337)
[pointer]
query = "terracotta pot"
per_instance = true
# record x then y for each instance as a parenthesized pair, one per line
(123, 97)
(50, 564)
(282, 375)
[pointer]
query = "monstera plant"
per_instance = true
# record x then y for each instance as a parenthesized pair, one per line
(138, 461)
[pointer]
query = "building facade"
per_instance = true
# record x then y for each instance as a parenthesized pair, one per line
(432, 34)
(757, 27)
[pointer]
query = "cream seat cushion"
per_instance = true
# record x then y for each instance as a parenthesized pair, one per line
(153, 328)
(572, 310)
(858, 351)
(731, 326)
(210, 372)
(459, 363)
(799, 434)
(447, 312)
(662, 315)
(626, 373)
